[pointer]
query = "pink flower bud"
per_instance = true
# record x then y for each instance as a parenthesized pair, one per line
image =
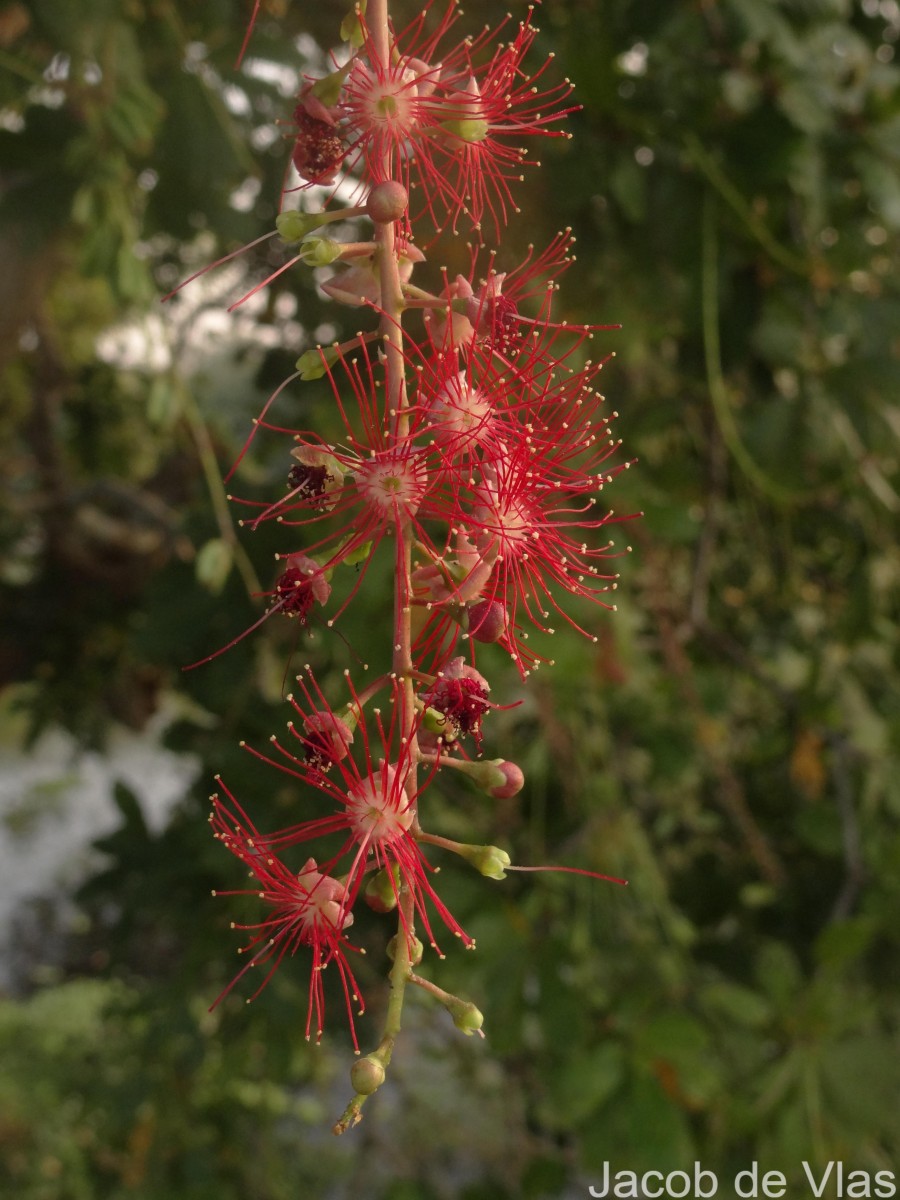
(387, 202)
(497, 777)
(488, 620)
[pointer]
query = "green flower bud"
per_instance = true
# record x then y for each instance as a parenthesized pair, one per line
(367, 1075)
(490, 861)
(465, 1016)
(320, 251)
(313, 364)
(415, 954)
(380, 893)
(467, 129)
(294, 226)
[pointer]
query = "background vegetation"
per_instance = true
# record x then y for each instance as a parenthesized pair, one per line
(730, 745)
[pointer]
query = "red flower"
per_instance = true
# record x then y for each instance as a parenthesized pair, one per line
(489, 109)
(358, 493)
(375, 801)
(526, 475)
(300, 586)
(307, 909)
(447, 121)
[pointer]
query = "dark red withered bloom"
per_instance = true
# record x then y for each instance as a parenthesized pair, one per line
(460, 696)
(318, 153)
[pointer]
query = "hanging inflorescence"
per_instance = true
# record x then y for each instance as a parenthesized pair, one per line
(474, 452)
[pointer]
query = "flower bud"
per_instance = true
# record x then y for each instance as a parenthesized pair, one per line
(380, 892)
(488, 620)
(497, 777)
(367, 1075)
(294, 226)
(387, 202)
(319, 251)
(465, 1016)
(415, 952)
(313, 364)
(490, 861)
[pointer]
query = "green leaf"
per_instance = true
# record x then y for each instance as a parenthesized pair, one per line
(582, 1084)
(737, 1003)
(214, 562)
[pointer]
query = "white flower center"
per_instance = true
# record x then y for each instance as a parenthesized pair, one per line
(391, 104)
(378, 807)
(508, 520)
(460, 414)
(393, 484)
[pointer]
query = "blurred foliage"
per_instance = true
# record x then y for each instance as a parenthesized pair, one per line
(730, 745)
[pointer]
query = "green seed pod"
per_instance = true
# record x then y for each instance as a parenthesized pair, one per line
(467, 129)
(415, 956)
(367, 1075)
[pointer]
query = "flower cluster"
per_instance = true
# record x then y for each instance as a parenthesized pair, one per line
(447, 120)
(473, 450)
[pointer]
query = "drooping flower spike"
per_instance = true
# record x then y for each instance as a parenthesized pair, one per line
(477, 448)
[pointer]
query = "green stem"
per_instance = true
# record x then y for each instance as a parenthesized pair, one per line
(217, 494)
(718, 389)
(733, 198)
